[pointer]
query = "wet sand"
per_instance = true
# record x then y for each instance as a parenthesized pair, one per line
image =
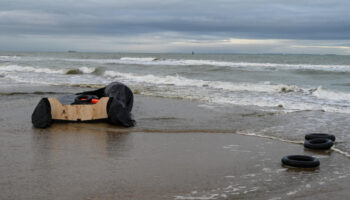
(178, 150)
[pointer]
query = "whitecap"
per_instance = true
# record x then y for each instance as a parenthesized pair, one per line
(322, 93)
(143, 59)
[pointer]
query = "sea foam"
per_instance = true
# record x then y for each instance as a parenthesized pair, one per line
(144, 59)
(18, 68)
(241, 65)
(194, 62)
(182, 81)
(331, 95)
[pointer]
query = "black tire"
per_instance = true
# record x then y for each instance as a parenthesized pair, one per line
(41, 117)
(301, 161)
(319, 135)
(318, 144)
(84, 99)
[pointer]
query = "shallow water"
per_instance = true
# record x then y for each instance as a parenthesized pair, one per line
(280, 97)
(294, 82)
(101, 162)
(178, 150)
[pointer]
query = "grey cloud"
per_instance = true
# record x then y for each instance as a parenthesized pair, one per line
(246, 19)
(158, 22)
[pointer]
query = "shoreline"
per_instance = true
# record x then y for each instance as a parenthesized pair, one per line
(176, 151)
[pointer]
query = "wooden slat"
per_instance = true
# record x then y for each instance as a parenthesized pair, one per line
(79, 112)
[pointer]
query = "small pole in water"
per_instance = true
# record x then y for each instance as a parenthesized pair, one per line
(192, 52)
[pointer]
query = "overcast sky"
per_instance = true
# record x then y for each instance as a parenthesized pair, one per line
(207, 26)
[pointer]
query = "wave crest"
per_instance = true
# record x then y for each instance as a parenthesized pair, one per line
(142, 59)
(182, 81)
(301, 67)
(322, 93)
(81, 70)
(242, 65)
(18, 68)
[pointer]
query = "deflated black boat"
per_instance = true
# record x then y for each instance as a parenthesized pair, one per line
(112, 104)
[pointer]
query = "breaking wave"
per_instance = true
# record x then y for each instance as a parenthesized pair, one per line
(28, 93)
(93, 73)
(182, 81)
(17, 68)
(84, 70)
(138, 59)
(322, 93)
(288, 98)
(244, 65)
(8, 58)
(80, 70)
(302, 68)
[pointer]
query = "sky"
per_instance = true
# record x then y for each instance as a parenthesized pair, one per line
(204, 26)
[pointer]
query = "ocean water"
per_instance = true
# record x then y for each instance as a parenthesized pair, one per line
(299, 93)
(285, 83)
(279, 97)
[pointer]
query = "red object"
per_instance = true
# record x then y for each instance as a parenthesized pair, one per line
(94, 100)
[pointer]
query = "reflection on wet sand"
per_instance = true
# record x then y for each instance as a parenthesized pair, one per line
(95, 161)
(177, 151)
(82, 139)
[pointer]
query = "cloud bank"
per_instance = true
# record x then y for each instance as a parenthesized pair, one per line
(223, 26)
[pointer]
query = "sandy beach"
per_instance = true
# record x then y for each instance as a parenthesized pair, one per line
(211, 97)
(178, 150)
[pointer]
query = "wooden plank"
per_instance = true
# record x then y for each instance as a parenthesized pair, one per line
(79, 112)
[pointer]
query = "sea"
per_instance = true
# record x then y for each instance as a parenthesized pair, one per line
(291, 82)
(267, 82)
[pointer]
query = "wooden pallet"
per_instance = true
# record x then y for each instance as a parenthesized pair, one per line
(79, 112)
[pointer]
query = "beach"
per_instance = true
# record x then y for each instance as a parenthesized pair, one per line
(207, 127)
(174, 100)
(179, 149)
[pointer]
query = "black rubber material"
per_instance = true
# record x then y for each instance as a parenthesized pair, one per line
(120, 104)
(318, 144)
(302, 161)
(118, 108)
(121, 93)
(319, 135)
(87, 99)
(41, 117)
(117, 114)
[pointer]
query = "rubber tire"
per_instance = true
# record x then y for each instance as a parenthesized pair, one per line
(318, 144)
(41, 117)
(319, 135)
(78, 99)
(301, 161)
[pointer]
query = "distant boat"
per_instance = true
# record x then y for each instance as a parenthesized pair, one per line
(71, 51)
(192, 52)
